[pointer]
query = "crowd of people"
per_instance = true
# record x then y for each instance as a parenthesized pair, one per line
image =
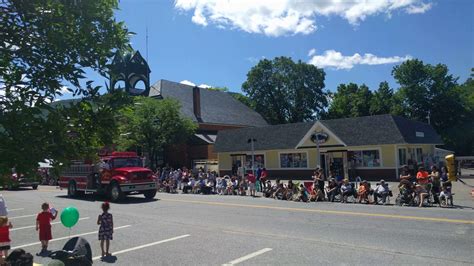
(420, 190)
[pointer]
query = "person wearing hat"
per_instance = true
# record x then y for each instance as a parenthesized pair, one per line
(381, 191)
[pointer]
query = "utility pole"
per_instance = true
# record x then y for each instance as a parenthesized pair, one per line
(429, 117)
(252, 141)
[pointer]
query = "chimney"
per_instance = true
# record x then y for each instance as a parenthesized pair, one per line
(197, 102)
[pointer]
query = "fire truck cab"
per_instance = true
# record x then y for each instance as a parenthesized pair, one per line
(117, 175)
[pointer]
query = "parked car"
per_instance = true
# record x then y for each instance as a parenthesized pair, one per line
(19, 180)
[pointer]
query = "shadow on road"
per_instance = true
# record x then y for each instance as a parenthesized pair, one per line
(97, 198)
(109, 259)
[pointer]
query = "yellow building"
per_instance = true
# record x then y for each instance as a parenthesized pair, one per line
(372, 147)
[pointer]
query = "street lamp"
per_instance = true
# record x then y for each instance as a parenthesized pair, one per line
(252, 141)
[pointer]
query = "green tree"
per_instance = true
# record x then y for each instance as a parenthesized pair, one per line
(382, 100)
(350, 100)
(44, 46)
(285, 91)
(430, 91)
(153, 124)
(461, 137)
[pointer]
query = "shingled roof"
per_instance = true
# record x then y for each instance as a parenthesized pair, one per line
(285, 136)
(217, 107)
(358, 131)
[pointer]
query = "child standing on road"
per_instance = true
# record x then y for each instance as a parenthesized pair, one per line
(106, 229)
(43, 224)
(4, 238)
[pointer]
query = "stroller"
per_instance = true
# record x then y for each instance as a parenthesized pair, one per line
(76, 251)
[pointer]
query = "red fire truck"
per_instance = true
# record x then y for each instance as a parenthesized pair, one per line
(118, 174)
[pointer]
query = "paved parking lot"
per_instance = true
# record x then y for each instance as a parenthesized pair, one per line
(216, 230)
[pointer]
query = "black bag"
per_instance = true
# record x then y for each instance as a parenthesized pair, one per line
(19, 257)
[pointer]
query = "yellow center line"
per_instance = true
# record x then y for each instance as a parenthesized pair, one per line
(381, 215)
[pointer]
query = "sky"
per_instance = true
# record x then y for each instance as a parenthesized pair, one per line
(216, 43)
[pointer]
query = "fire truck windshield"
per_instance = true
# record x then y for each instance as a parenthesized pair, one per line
(126, 162)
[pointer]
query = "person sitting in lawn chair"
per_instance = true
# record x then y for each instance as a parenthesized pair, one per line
(363, 192)
(382, 191)
(302, 194)
(332, 190)
(347, 190)
(268, 189)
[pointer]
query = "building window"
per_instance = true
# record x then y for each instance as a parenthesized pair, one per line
(293, 160)
(419, 155)
(402, 156)
(259, 161)
(367, 158)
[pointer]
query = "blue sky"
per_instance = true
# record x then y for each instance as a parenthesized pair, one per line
(205, 43)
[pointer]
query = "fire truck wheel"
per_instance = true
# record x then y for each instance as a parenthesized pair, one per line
(150, 194)
(115, 193)
(71, 189)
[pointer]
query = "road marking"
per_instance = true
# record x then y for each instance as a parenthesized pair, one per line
(247, 257)
(23, 216)
(341, 245)
(66, 237)
(12, 210)
(33, 226)
(145, 246)
(379, 215)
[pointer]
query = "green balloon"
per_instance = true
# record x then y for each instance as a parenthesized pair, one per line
(69, 216)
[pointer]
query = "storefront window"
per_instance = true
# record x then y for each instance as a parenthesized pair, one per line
(259, 161)
(419, 155)
(402, 156)
(293, 160)
(368, 158)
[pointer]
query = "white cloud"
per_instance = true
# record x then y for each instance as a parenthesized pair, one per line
(335, 60)
(190, 83)
(419, 9)
(286, 17)
(205, 86)
(187, 82)
(312, 52)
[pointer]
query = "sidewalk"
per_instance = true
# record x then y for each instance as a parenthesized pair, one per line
(462, 197)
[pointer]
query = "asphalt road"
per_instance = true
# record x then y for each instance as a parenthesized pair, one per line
(215, 230)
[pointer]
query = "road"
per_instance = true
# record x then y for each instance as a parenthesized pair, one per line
(178, 229)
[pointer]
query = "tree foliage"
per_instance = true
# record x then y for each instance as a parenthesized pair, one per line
(44, 46)
(425, 91)
(382, 100)
(153, 124)
(350, 100)
(285, 91)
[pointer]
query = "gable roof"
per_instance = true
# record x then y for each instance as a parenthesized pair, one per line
(357, 131)
(284, 136)
(381, 129)
(217, 107)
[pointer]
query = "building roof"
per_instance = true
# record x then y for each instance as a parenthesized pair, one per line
(381, 129)
(285, 136)
(358, 131)
(217, 107)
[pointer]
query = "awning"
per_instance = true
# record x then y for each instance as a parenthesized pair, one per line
(207, 138)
